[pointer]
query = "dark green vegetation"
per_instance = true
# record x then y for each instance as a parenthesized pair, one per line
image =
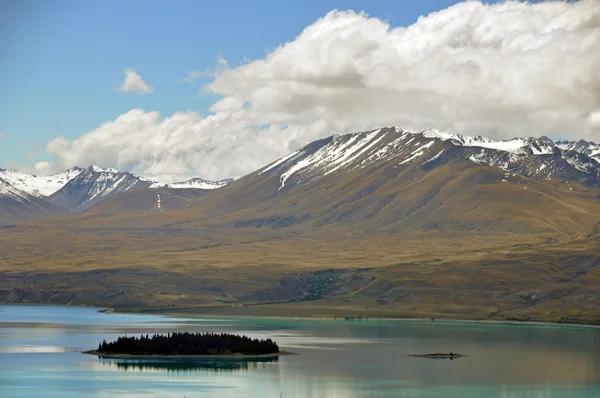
(189, 344)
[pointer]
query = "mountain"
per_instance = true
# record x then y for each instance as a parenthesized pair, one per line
(537, 158)
(93, 185)
(78, 189)
(393, 179)
(17, 205)
(404, 163)
(195, 183)
(39, 186)
(587, 147)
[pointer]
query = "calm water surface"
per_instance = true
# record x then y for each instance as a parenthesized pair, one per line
(40, 357)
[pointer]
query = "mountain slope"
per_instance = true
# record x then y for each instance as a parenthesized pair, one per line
(39, 185)
(93, 185)
(396, 180)
(17, 205)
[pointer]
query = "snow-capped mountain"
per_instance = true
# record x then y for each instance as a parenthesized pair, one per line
(78, 189)
(587, 147)
(93, 185)
(17, 205)
(538, 158)
(39, 185)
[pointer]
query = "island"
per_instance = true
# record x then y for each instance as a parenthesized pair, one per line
(438, 355)
(187, 345)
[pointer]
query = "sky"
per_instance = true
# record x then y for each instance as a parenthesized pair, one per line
(181, 88)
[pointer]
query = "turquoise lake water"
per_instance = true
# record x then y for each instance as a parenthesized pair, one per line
(40, 357)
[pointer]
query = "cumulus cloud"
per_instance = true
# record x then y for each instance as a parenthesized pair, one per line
(133, 83)
(502, 70)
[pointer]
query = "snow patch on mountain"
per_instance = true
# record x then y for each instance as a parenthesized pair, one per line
(298, 166)
(351, 154)
(418, 152)
(278, 162)
(435, 157)
(338, 153)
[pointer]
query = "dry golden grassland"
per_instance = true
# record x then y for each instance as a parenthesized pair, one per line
(265, 272)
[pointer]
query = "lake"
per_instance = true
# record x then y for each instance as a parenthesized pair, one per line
(40, 357)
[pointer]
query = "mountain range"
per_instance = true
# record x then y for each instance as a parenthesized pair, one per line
(76, 190)
(385, 222)
(541, 159)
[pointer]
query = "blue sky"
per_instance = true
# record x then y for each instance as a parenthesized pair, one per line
(62, 59)
(491, 68)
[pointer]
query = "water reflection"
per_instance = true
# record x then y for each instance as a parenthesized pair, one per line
(227, 365)
(22, 349)
(354, 359)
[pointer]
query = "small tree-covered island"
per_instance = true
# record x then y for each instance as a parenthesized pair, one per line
(188, 344)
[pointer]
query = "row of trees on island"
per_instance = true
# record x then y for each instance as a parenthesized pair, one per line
(189, 344)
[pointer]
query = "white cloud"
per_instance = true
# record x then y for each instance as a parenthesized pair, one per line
(133, 83)
(222, 61)
(502, 70)
(194, 75)
(41, 168)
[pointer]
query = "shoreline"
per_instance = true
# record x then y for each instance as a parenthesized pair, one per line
(155, 356)
(400, 318)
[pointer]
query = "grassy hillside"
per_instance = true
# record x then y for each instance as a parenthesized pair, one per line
(13, 211)
(464, 275)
